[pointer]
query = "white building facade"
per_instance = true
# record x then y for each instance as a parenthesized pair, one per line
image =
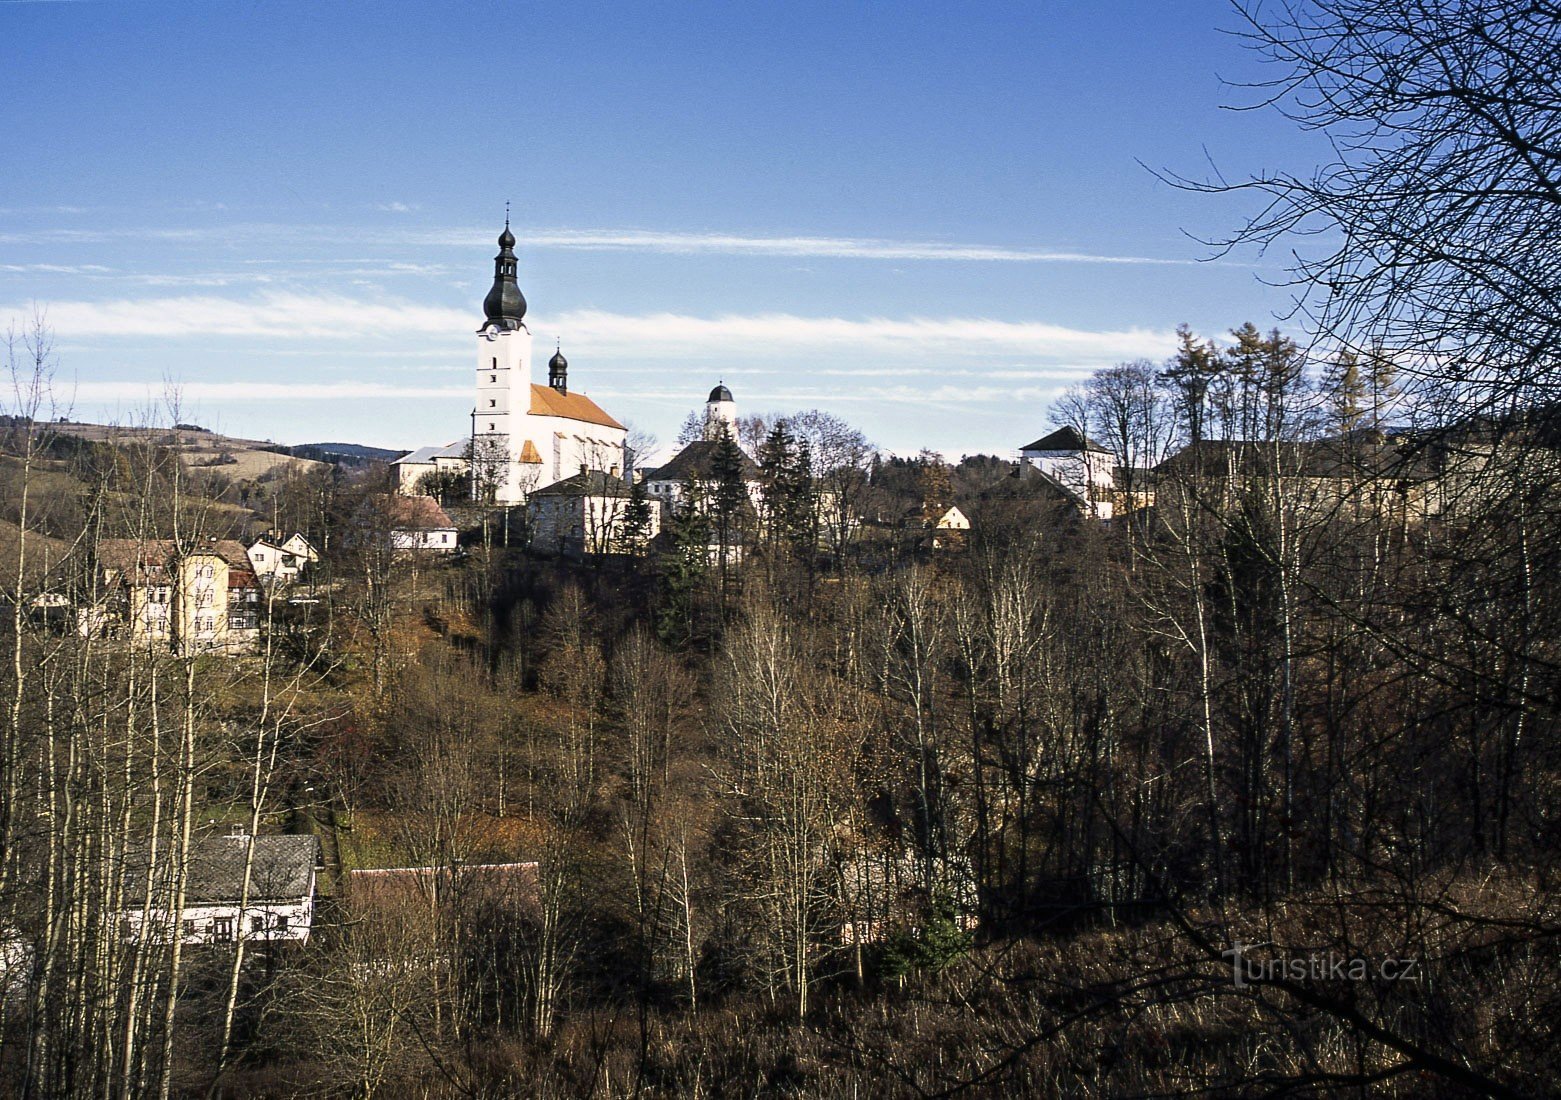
(1078, 464)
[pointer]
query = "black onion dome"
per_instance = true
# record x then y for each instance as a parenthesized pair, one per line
(505, 305)
(720, 393)
(558, 362)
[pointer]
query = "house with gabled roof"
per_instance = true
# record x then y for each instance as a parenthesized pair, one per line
(195, 596)
(415, 524)
(585, 514)
(695, 464)
(235, 887)
(1076, 462)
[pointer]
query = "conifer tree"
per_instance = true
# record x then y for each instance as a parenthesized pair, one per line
(683, 569)
(1345, 391)
(636, 520)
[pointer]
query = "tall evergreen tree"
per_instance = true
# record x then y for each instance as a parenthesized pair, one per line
(683, 569)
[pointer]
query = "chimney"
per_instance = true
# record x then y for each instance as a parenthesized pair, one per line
(614, 470)
(583, 469)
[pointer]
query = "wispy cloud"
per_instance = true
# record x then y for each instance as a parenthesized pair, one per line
(397, 207)
(295, 316)
(664, 242)
(660, 335)
(857, 248)
(262, 391)
(272, 316)
(55, 269)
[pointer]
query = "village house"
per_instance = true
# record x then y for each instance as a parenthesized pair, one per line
(1078, 464)
(451, 460)
(277, 906)
(586, 514)
(276, 560)
(409, 524)
(200, 597)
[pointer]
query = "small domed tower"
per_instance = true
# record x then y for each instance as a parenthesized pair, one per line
(558, 371)
(720, 411)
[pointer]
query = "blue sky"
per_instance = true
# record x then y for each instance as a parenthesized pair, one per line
(926, 218)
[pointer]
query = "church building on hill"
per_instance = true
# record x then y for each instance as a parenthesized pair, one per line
(524, 435)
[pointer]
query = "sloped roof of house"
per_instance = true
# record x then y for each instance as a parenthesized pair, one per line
(420, 513)
(381, 886)
(1065, 439)
(587, 483)
(282, 869)
(141, 555)
(1027, 482)
(697, 461)
(546, 401)
(425, 455)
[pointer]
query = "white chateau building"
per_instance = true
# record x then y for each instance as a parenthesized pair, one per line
(524, 436)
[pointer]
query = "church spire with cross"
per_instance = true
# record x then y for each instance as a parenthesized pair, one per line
(505, 305)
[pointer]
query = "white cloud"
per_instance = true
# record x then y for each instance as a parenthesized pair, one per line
(272, 315)
(660, 335)
(293, 316)
(861, 248)
(673, 242)
(262, 391)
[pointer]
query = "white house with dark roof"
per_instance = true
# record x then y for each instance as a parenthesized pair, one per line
(278, 560)
(277, 904)
(694, 464)
(1078, 464)
(524, 435)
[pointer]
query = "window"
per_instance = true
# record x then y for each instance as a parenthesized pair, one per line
(281, 922)
(493, 404)
(493, 377)
(189, 929)
(222, 929)
(257, 924)
(495, 362)
(490, 426)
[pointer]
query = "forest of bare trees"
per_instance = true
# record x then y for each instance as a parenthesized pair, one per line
(1251, 790)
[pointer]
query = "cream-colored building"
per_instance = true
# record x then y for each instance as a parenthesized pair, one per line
(197, 598)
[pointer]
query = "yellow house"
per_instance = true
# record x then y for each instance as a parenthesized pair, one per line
(196, 599)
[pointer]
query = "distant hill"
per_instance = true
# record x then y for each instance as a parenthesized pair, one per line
(340, 454)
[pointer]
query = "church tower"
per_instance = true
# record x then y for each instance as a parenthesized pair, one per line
(503, 383)
(720, 412)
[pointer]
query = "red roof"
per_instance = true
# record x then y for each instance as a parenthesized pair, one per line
(126, 555)
(422, 513)
(546, 401)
